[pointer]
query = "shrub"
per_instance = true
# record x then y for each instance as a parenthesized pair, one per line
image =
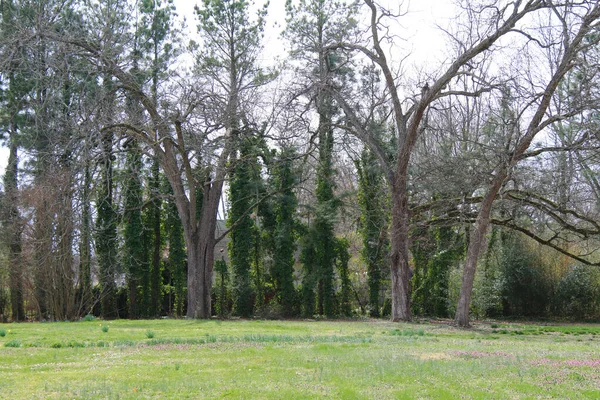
(149, 334)
(104, 328)
(13, 343)
(2, 333)
(89, 318)
(578, 293)
(526, 290)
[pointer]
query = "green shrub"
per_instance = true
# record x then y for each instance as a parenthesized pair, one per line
(104, 328)
(526, 290)
(578, 293)
(89, 317)
(2, 333)
(149, 334)
(13, 343)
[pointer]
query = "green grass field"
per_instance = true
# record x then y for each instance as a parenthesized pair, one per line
(297, 359)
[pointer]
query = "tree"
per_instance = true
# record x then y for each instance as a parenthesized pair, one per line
(157, 38)
(243, 229)
(571, 45)
(312, 25)
(373, 225)
(285, 234)
(410, 123)
(13, 102)
(177, 263)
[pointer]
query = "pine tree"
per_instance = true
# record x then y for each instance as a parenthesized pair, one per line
(312, 25)
(157, 36)
(12, 103)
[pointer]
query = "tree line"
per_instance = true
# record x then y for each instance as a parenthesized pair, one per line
(153, 174)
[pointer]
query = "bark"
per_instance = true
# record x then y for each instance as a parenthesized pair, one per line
(477, 239)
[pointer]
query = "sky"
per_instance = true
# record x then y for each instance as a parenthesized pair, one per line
(417, 33)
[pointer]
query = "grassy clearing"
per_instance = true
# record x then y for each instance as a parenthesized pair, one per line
(297, 359)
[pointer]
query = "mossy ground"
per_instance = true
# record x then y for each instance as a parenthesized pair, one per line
(297, 359)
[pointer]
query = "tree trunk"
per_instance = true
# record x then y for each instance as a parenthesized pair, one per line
(400, 268)
(201, 247)
(476, 243)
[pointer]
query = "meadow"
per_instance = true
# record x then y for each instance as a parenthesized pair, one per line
(297, 360)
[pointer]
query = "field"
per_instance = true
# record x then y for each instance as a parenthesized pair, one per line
(297, 359)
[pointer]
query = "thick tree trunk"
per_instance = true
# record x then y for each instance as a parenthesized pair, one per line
(201, 247)
(400, 269)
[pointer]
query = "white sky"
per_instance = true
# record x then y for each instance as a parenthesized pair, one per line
(417, 33)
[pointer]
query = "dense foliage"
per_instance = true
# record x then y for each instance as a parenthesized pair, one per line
(152, 171)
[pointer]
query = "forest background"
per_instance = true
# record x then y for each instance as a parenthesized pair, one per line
(360, 173)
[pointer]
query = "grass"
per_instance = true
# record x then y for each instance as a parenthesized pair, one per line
(297, 359)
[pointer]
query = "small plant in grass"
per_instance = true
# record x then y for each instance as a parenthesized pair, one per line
(2, 333)
(13, 343)
(149, 334)
(89, 318)
(104, 328)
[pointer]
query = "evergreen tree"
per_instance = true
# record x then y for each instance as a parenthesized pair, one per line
(373, 225)
(222, 293)
(435, 250)
(243, 232)
(133, 246)
(177, 263)
(285, 232)
(12, 103)
(157, 36)
(343, 257)
(312, 26)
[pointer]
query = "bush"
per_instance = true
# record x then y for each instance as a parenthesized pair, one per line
(526, 290)
(578, 293)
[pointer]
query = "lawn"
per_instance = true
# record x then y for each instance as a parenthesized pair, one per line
(297, 359)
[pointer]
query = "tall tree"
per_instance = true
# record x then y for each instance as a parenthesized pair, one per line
(231, 46)
(410, 123)
(157, 42)
(313, 25)
(285, 232)
(569, 48)
(12, 99)
(373, 225)
(244, 231)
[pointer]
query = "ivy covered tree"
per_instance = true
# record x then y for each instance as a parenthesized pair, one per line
(313, 25)
(243, 233)
(372, 199)
(285, 232)
(177, 262)
(435, 250)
